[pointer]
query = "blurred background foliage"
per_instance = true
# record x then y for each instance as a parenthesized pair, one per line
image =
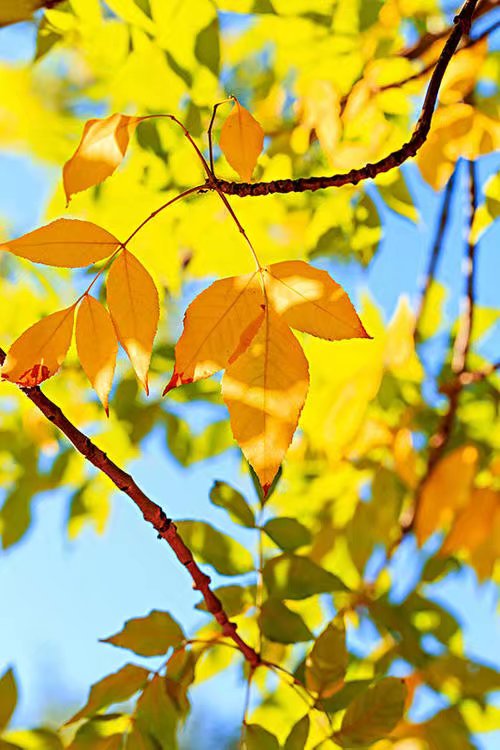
(335, 84)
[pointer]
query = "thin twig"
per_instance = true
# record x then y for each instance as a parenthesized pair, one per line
(427, 40)
(152, 512)
(435, 253)
(196, 189)
(430, 66)
(239, 225)
(468, 377)
(463, 339)
(210, 128)
(462, 23)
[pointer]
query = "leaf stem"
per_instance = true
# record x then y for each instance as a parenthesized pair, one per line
(152, 215)
(238, 224)
(209, 131)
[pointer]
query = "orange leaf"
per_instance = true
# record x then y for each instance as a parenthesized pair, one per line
(475, 522)
(39, 352)
(99, 153)
(68, 243)
(265, 390)
(135, 310)
(97, 346)
(445, 491)
(241, 141)
(218, 326)
(310, 300)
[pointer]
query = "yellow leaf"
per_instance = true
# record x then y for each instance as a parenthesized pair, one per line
(446, 491)
(463, 72)
(458, 131)
(40, 351)
(218, 326)
(319, 112)
(241, 141)
(99, 153)
(68, 243)
(311, 301)
(265, 390)
(97, 346)
(135, 310)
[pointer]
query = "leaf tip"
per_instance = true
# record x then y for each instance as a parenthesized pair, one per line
(175, 381)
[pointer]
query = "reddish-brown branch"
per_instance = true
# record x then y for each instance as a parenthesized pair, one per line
(463, 339)
(462, 24)
(153, 514)
(439, 441)
(436, 252)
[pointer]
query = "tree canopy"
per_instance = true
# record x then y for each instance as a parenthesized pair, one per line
(222, 175)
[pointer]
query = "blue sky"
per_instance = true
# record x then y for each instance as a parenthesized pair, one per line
(59, 598)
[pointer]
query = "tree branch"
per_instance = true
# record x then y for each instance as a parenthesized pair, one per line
(463, 338)
(462, 24)
(435, 253)
(152, 512)
(461, 346)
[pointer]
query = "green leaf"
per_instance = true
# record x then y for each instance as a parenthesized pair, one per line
(148, 636)
(8, 697)
(258, 738)
(447, 729)
(156, 716)
(394, 190)
(297, 738)
(211, 546)
(287, 533)
(263, 6)
(136, 740)
(207, 47)
(492, 194)
(36, 739)
(13, 11)
(179, 676)
(188, 448)
(373, 714)
(368, 230)
(235, 599)
(114, 688)
(280, 624)
(101, 733)
(377, 520)
(345, 696)
(294, 577)
(225, 496)
(4, 745)
(326, 665)
(258, 489)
